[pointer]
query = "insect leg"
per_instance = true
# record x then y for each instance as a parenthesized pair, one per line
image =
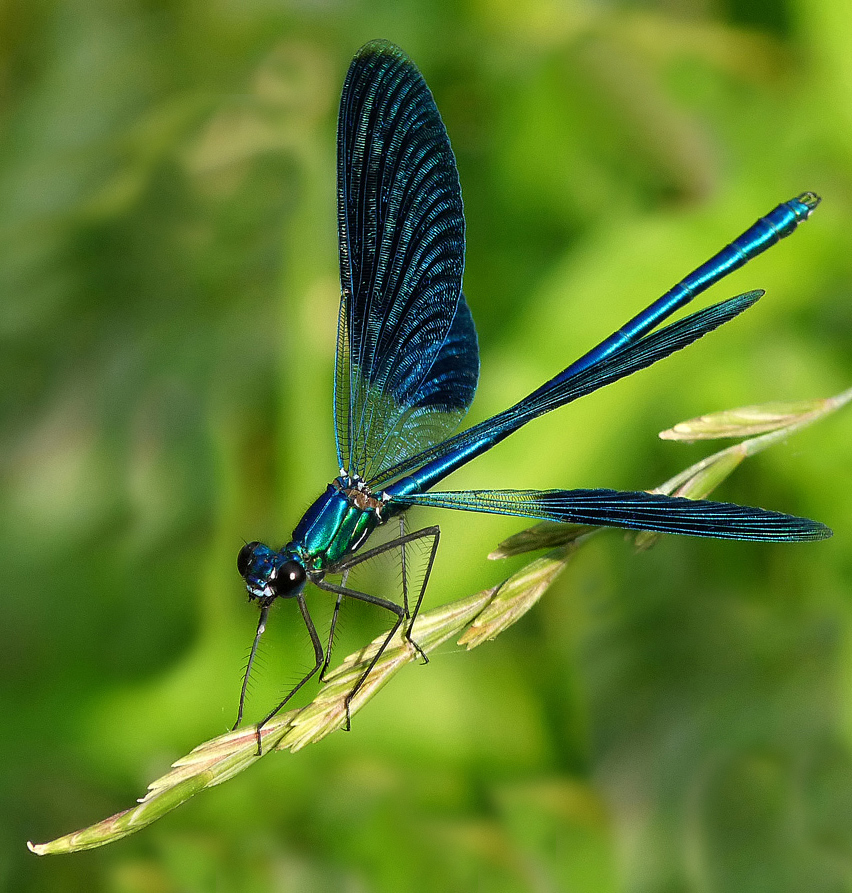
(300, 598)
(261, 626)
(404, 564)
(435, 534)
(401, 542)
(331, 631)
(373, 600)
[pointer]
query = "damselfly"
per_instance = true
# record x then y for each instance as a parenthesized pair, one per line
(407, 367)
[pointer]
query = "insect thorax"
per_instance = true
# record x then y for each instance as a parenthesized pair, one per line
(338, 523)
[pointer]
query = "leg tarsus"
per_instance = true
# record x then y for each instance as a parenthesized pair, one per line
(369, 669)
(424, 658)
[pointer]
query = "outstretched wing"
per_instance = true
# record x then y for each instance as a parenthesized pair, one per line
(407, 359)
(424, 469)
(632, 510)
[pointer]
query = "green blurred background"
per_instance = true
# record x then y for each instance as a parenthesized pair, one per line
(674, 721)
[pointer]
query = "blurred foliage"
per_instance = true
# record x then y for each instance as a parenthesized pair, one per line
(676, 721)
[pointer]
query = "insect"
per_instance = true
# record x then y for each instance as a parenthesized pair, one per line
(407, 367)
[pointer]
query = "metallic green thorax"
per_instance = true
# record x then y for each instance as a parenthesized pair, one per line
(338, 523)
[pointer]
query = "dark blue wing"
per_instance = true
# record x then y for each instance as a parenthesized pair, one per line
(420, 472)
(634, 511)
(614, 357)
(407, 360)
(437, 406)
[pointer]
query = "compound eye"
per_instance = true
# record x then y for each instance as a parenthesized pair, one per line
(244, 558)
(290, 576)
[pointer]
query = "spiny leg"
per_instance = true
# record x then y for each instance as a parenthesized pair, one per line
(435, 534)
(373, 600)
(318, 655)
(333, 626)
(401, 542)
(402, 556)
(404, 562)
(261, 626)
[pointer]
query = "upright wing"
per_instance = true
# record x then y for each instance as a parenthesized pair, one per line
(407, 359)
(632, 510)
